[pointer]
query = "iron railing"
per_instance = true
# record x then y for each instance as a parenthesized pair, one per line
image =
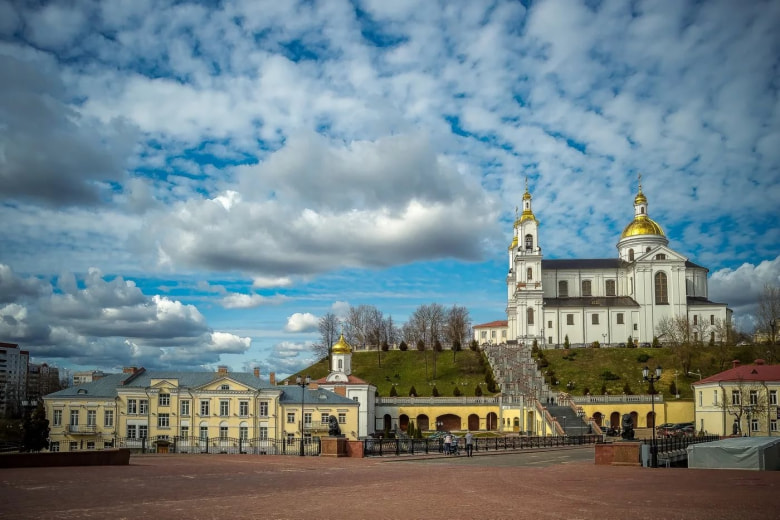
(382, 447)
(224, 445)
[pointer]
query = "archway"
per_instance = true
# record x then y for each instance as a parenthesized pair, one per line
(449, 422)
(473, 422)
(650, 420)
(598, 418)
(614, 420)
(491, 421)
(387, 423)
(403, 422)
(516, 424)
(423, 422)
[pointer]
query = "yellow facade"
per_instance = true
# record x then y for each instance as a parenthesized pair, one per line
(753, 406)
(610, 414)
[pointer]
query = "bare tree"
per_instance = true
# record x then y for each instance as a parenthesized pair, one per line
(458, 327)
(320, 350)
(675, 332)
(768, 315)
(725, 334)
(746, 399)
(329, 326)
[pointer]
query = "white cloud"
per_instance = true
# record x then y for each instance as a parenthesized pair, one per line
(248, 301)
(302, 322)
(264, 282)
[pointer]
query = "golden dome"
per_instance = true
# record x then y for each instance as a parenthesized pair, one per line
(341, 347)
(514, 243)
(642, 225)
(526, 195)
(640, 198)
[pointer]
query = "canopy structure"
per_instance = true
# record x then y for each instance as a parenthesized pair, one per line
(753, 453)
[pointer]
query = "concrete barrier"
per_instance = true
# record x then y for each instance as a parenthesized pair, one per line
(113, 457)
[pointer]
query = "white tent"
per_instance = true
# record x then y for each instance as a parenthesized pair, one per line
(755, 453)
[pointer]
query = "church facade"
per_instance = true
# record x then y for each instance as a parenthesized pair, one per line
(609, 300)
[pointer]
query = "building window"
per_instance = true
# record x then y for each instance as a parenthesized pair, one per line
(204, 432)
(660, 256)
(185, 431)
(108, 418)
(772, 426)
(549, 340)
(549, 324)
(223, 432)
(204, 407)
(620, 318)
(243, 433)
(263, 433)
(636, 326)
(342, 418)
(570, 319)
(163, 420)
(483, 334)
(143, 406)
(90, 445)
(307, 419)
(263, 408)
(143, 431)
(586, 288)
(243, 408)
(324, 418)
(74, 417)
(563, 289)
(773, 397)
(630, 255)
(132, 431)
(701, 398)
(164, 400)
(290, 417)
(712, 319)
(132, 407)
(73, 446)
(594, 319)
(224, 408)
(661, 296)
(108, 444)
(754, 397)
(530, 316)
(754, 425)
(529, 274)
(735, 397)
(611, 288)
(695, 319)
(54, 446)
(184, 407)
(57, 419)
(224, 387)
(91, 417)
(503, 334)
(529, 242)
(714, 398)
(290, 439)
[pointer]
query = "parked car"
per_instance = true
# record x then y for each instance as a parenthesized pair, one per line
(689, 430)
(645, 345)
(663, 430)
(610, 431)
(621, 345)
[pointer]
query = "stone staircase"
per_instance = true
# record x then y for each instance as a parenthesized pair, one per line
(571, 423)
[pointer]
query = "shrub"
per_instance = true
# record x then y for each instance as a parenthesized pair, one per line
(566, 343)
(585, 391)
(437, 346)
(673, 388)
(420, 345)
(393, 392)
(456, 392)
(385, 346)
(478, 391)
(642, 358)
(412, 392)
(435, 391)
(656, 343)
(627, 389)
(474, 345)
(403, 347)
(603, 389)
(609, 376)
(596, 344)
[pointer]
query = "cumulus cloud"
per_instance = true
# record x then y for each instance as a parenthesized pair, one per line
(302, 322)
(248, 301)
(742, 288)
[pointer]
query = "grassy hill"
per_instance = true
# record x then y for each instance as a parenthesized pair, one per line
(588, 369)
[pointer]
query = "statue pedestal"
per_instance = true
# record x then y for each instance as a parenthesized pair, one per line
(333, 446)
(625, 453)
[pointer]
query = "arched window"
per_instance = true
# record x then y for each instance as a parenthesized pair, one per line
(642, 210)
(661, 294)
(341, 364)
(529, 242)
(586, 288)
(530, 313)
(630, 255)
(529, 274)
(647, 250)
(563, 289)
(611, 288)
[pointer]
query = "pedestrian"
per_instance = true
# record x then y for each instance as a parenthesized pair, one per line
(447, 443)
(469, 444)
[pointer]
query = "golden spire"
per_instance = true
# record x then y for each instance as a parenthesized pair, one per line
(341, 347)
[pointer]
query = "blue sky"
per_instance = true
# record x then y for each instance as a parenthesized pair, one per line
(191, 184)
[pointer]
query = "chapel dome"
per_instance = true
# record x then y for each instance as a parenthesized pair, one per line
(341, 347)
(642, 225)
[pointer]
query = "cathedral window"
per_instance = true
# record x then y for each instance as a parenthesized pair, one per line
(695, 319)
(712, 319)
(661, 295)
(610, 287)
(660, 256)
(630, 255)
(549, 324)
(529, 242)
(341, 364)
(594, 319)
(530, 274)
(570, 319)
(620, 318)
(530, 315)
(563, 289)
(586, 288)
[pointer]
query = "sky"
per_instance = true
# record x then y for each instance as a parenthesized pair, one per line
(190, 184)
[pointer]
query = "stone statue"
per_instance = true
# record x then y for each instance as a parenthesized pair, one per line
(333, 426)
(628, 427)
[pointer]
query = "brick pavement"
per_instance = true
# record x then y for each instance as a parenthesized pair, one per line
(240, 487)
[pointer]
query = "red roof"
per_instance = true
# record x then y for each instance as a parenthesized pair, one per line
(755, 372)
(491, 325)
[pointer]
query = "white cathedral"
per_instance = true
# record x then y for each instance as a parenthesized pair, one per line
(608, 300)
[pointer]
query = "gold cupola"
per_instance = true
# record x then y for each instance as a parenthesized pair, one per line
(341, 346)
(528, 213)
(642, 224)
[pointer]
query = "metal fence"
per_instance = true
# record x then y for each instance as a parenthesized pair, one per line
(382, 447)
(679, 443)
(228, 445)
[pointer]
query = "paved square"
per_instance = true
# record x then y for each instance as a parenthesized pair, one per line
(488, 487)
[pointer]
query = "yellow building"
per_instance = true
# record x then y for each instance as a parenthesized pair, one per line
(192, 412)
(741, 400)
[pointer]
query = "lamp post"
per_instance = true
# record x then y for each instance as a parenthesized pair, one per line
(302, 382)
(652, 379)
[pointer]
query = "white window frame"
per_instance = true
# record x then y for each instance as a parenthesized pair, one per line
(773, 397)
(184, 407)
(57, 419)
(184, 430)
(243, 408)
(132, 431)
(205, 407)
(342, 418)
(143, 431)
(132, 407)
(263, 408)
(108, 418)
(163, 420)
(290, 417)
(91, 417)
(143, 406)
(243, 433)
(164, 399)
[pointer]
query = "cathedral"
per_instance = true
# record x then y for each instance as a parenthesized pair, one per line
(605, 300)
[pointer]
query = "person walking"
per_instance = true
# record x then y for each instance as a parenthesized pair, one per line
(469, 444)
(447, 443)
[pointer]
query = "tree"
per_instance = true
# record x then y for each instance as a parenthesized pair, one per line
(458, 325)
(412, 392)
(676, 332)
(769, 312)
(393, 392)
(455, 349)
(478, 391)
(745, 399)
(35, 435)
(437, 348)
(474, 345)
(328, 326)
(457, 392)
(566, 343)
(403, 347)
(435, 391)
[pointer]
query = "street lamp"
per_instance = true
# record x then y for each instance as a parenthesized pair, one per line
(652, 379)
(302, 382)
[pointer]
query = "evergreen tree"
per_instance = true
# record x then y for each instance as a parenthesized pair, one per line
(412, 391)
(435, 391)
(385, 346)
(35, 436)
(566, 343)
(456, 392)
(393, 392)
(478, 391)
(627, 389)
(474, 345)
(420, 345)
(403, 347)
